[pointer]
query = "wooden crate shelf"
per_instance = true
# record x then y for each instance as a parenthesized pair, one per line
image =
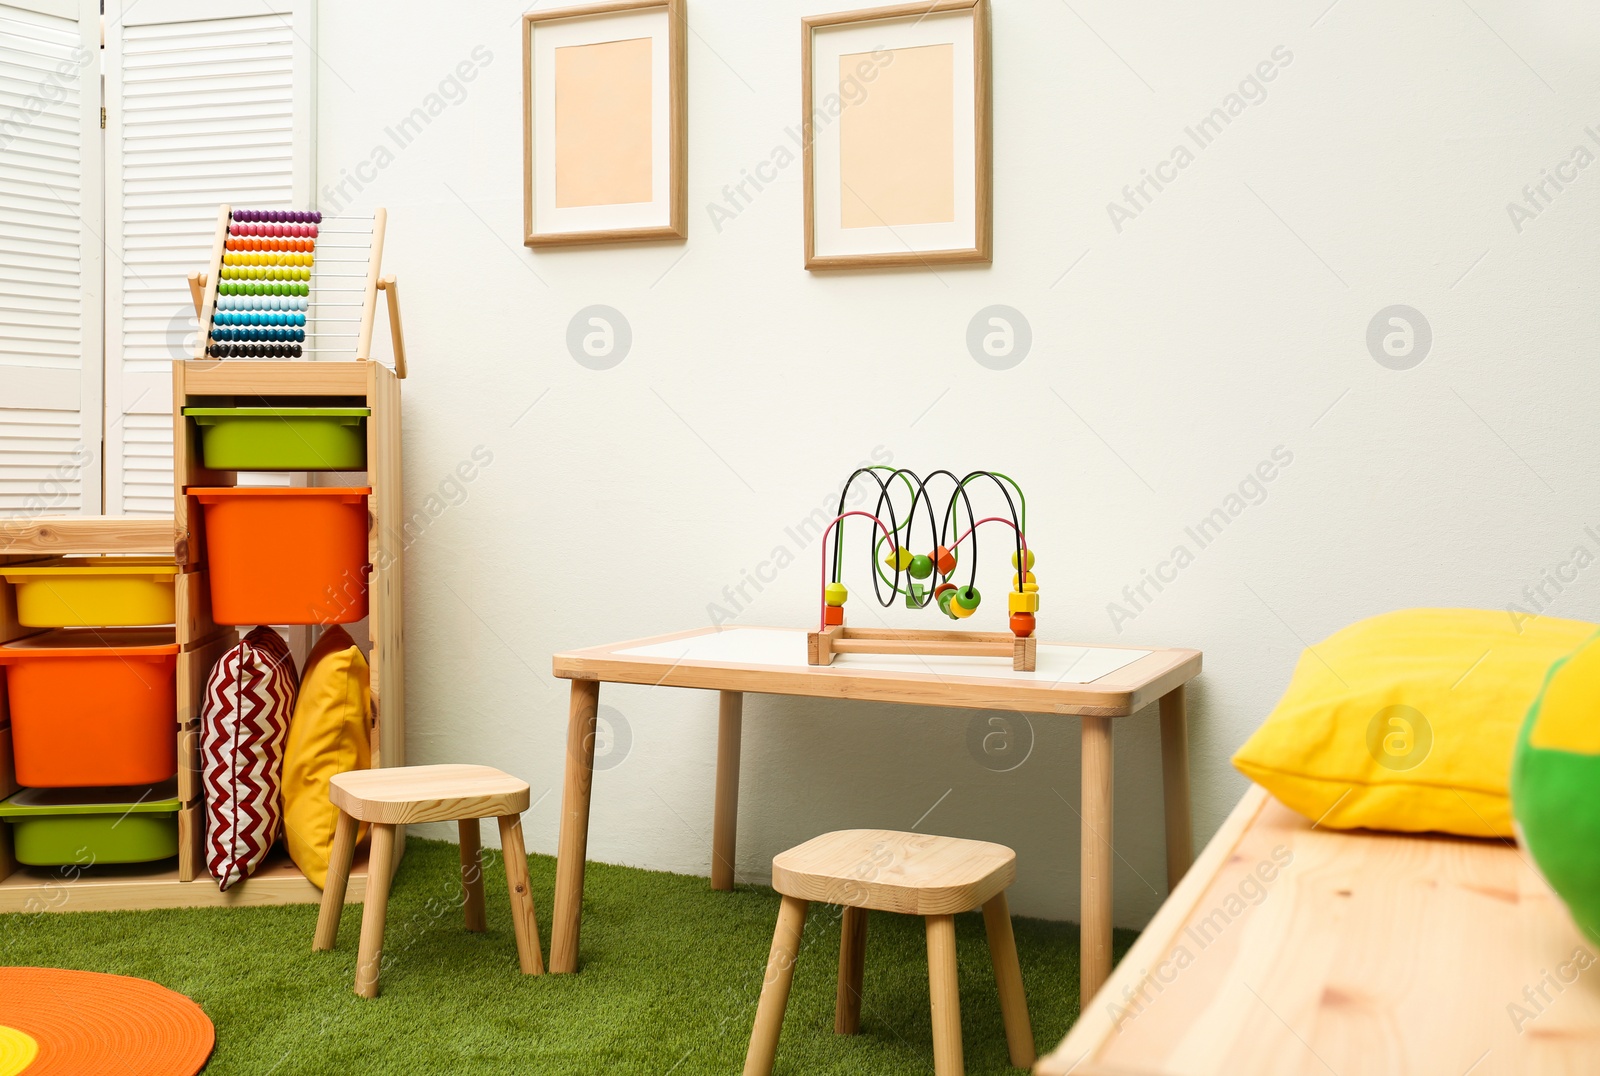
(158, 885)
(212, 382)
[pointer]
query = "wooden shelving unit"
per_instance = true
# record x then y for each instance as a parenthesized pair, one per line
(357, 382)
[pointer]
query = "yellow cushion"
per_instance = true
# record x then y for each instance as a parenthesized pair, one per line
(329, 735)
(1407, 721)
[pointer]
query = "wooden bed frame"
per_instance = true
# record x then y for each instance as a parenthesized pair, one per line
(1292, 950)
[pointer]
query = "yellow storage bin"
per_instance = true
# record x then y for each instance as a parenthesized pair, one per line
(98, 592)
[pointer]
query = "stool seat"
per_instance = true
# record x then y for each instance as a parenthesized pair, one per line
(402, 795)
(887, 871)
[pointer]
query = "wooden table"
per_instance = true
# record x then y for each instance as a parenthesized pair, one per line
(1297, 951)
(773, 661)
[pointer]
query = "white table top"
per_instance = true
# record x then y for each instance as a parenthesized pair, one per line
(1104, 681)
(1058, 663)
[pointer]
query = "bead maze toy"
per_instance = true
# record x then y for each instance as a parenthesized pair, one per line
(926, 579)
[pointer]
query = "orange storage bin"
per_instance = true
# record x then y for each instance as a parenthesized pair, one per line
(286, 556)
(93, 706)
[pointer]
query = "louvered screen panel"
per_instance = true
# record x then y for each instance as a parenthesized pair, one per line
(205, 109)
(50, 257)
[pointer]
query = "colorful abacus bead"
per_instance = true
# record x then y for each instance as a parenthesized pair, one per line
(921, 567)
(945, 560)
(1030, 559)
(916, 596)
(835, 594)
(832, 614)
(899, 559)
(1022, 625)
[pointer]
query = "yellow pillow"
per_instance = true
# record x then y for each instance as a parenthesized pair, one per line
(1407, 721)
(329, 735)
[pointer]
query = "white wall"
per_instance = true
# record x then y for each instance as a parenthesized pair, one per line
(1228, 318)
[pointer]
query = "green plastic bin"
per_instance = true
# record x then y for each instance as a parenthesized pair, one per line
(57, 827)
(282, 438)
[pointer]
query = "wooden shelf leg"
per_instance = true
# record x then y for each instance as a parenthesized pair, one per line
(472, 876)
(1095, 895)
(725, 814)
(573, 844)
(775, 988)
(1175, 785)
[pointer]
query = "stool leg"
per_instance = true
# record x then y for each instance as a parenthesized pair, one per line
(944, 996)
(472, 875)
(852, 963)
(1008, 981)
(380, 868)
(333, 891)
(775, 988)
(523, 918)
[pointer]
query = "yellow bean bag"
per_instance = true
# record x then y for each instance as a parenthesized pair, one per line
(1408, 721)
(329, 734)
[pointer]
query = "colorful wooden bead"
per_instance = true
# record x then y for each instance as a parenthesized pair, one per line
(943, 594)
(1023, 603)
(959, 611)
(1030, 559)
(967, 597)
(833, 614)
(921, 567)
(945, 559)
(835, 593)
(899, 558)
(1022, 625)
(916, 596)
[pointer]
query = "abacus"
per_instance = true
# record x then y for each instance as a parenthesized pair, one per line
(926, 579)
(294, 284)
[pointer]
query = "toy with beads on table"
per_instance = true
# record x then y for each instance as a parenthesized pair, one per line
(928, 579)
(294, 284)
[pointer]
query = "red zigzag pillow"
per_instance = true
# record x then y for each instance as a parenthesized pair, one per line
(249, 701)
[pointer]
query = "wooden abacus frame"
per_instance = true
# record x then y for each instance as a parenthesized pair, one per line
(203, 288)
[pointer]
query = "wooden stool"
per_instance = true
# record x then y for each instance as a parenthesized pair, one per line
(908, 873)
(405, 794)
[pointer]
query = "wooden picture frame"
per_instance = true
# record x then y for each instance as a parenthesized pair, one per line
(586, 217)
(831, 240)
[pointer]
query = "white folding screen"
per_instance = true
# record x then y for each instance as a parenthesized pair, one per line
(209, 101)
(51, 288)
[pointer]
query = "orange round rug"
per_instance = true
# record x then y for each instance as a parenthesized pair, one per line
(82, 1023)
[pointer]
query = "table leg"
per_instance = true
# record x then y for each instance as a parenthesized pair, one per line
(1175, 785)
(573, 843)
(725, 815)
(1095, 941)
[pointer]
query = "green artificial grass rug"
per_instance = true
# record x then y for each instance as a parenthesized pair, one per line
(669, 977)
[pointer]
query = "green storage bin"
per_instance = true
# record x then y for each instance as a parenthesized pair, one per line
(282, 438)
(57, 827)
